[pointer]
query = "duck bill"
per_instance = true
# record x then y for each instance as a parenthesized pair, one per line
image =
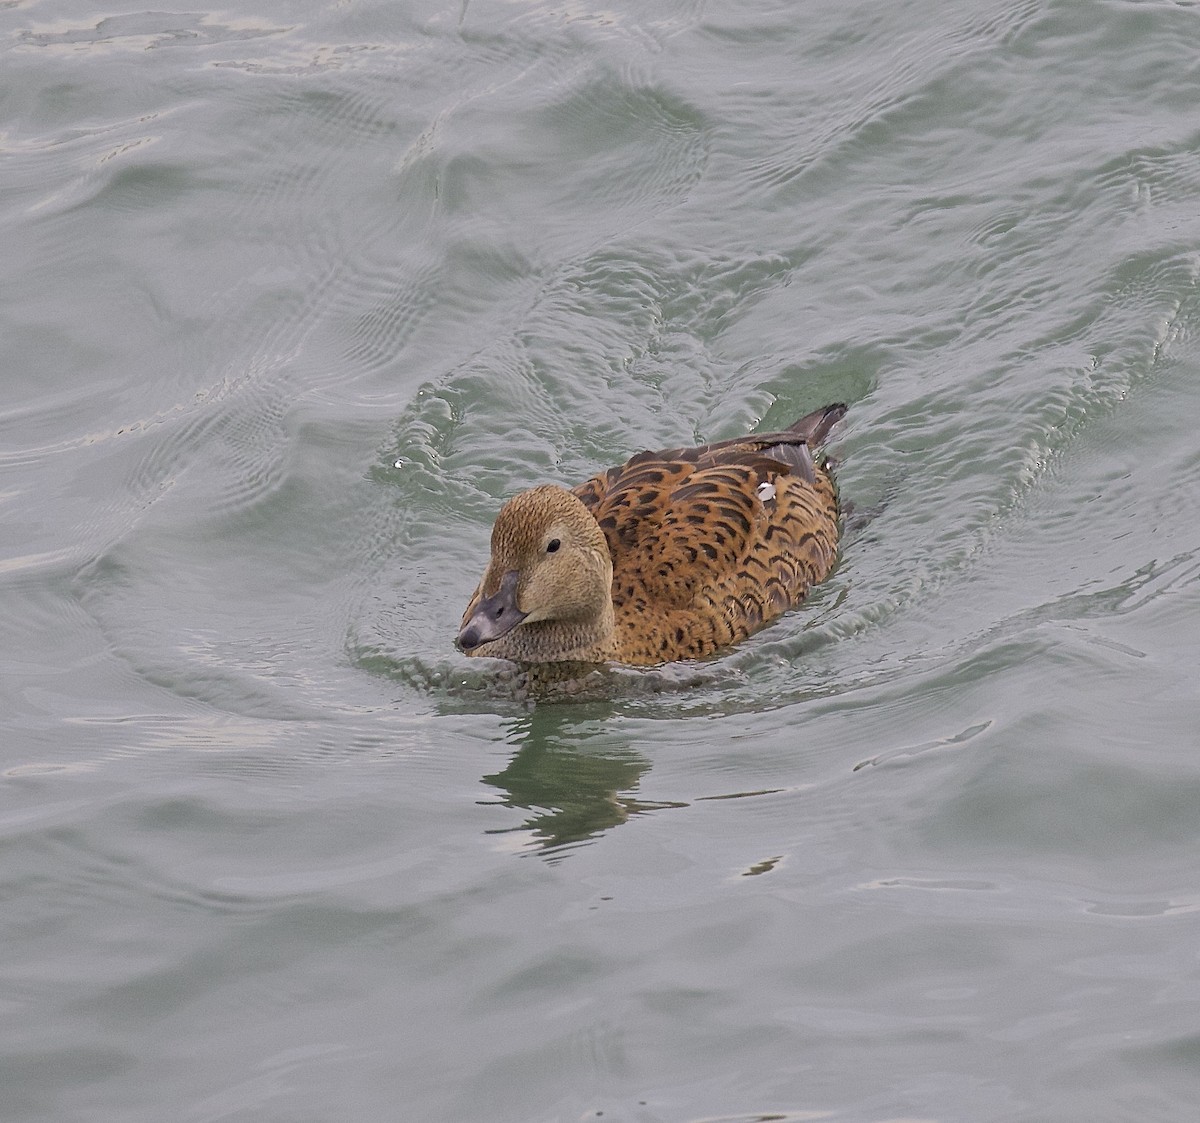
(494, 616)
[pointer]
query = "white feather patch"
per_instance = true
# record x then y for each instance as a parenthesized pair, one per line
(766, 491)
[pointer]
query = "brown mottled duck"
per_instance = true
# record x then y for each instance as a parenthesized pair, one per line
(672, 555)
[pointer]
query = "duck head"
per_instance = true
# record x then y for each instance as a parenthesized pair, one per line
(547, 592)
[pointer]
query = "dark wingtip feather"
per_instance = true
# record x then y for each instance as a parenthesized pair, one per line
(814, 427)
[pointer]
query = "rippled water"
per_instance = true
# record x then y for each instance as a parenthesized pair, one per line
(294, 296)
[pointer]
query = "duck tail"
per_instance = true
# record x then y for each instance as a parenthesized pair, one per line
(814, 427)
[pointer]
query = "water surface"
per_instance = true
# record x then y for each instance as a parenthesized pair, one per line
(294, 296)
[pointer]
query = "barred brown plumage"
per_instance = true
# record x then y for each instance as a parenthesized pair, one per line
(672, 555)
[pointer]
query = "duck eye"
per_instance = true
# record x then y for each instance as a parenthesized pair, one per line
(552, 545)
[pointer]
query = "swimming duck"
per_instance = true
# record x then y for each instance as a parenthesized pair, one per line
(672, 555)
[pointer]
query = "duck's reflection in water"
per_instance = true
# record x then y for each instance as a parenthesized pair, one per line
(573, 773)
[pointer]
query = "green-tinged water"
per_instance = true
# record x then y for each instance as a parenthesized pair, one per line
(291, 297)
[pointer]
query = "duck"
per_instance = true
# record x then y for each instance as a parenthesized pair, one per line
(673, 555)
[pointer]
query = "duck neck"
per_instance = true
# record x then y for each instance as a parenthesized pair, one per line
(583, 640)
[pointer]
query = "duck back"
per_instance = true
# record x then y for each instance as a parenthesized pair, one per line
(710, 543)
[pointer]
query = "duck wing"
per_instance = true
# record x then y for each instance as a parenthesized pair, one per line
(709, 543)
(790, 448)
(676, 525)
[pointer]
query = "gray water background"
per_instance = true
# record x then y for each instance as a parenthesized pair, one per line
(293, 295)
